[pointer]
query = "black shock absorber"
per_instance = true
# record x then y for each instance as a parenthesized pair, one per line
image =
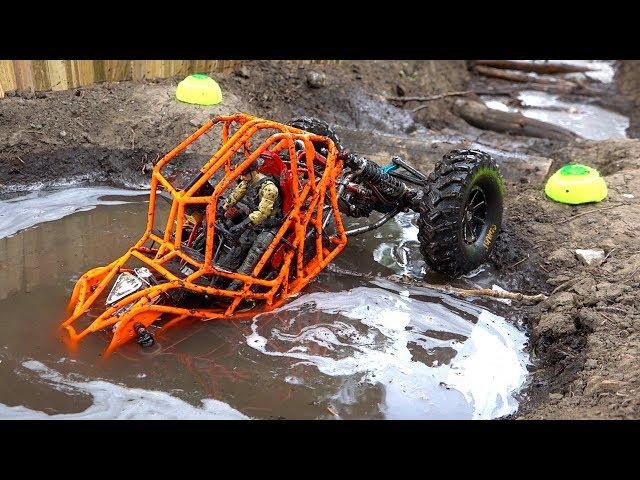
(370, 173)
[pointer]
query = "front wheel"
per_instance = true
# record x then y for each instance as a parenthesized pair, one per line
(461, 212)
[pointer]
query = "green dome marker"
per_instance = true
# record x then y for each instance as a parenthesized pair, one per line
(199, 89)
(575, 184)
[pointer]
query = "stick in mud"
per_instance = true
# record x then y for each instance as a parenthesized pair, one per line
(519, 77)
(431, 97)
(487, 292)
(478, 292)
(588, 212)
(550, 68)
(479, 115)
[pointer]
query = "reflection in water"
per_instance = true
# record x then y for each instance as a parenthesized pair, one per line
(36, 207)
(50, 252)
(346, 346)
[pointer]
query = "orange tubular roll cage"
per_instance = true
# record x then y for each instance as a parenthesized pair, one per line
(315, 202)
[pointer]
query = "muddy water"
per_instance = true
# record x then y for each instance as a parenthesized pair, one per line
(349, 347)
(589, 121)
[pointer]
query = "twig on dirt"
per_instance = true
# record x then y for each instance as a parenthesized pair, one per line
(607, 318)
(631, 274)
(462, 93)
(421, 107)
(518, 262)
(133, 138)
(608, 254)
(565, 285)
(487, 292)
(430, 97)
(611, 309)
(631, 229)
(546, 68)
(520, 77)
(476, 292)
(608, 207)
(21, 161)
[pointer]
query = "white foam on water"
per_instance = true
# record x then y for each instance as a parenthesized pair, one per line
(37, 207)
(488, 367)
(112, 401)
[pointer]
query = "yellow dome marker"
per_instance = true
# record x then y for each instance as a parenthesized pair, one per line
(199, 89)
(576, 184)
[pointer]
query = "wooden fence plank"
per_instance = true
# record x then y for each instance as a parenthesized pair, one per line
(99, 74)
(57, 75)
(137, 69)
(117, 70)
(7, 76)
(72, 75)
(86, 74)
(40, 75)
(23, 70)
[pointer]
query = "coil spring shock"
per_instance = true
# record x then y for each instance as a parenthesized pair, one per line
(369, 172)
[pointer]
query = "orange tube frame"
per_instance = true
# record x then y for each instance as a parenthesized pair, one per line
(309, 195)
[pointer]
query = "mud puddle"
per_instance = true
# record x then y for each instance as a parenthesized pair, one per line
(348, 347)
(587, 120)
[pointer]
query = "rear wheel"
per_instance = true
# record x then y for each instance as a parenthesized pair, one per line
(462, 212)
(317, 126)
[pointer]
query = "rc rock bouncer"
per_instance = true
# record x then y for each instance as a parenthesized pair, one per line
(263, 216)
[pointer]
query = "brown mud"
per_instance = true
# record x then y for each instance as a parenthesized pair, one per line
(585, 339)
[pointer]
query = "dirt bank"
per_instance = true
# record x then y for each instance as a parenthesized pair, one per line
(627, 81)
(584, 339)
(109, 131)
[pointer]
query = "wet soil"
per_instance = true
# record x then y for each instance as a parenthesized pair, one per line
(584, 339)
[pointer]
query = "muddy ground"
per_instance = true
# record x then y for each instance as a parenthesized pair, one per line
(584, 339)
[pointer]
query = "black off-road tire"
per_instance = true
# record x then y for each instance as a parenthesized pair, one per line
(454, 241)
(317, 126)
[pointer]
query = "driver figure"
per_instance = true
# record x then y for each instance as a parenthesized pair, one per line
(257, 196)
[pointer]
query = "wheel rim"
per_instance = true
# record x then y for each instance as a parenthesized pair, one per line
(474, 216)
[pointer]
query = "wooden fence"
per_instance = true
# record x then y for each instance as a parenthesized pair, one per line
(40, 75)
